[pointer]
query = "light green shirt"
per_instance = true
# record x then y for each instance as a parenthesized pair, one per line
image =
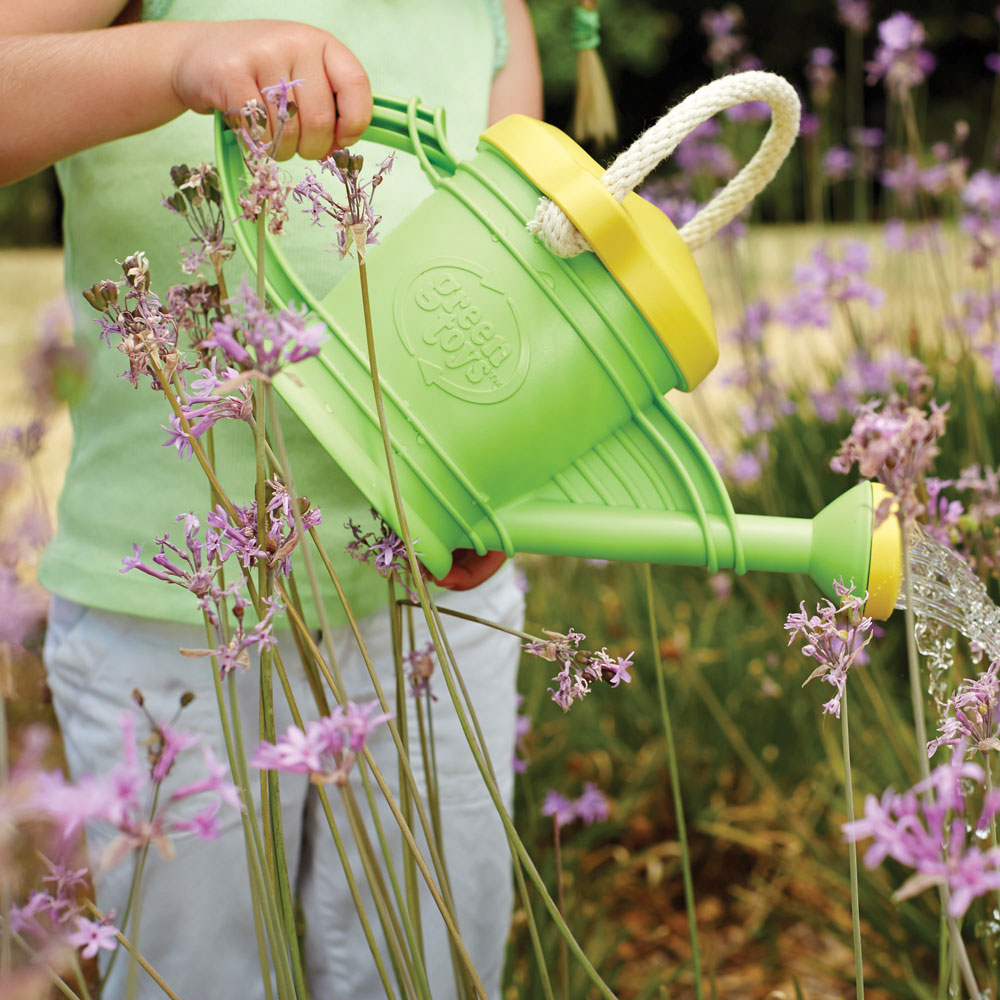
(122, 485)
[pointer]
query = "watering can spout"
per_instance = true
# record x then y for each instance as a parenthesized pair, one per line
(839, 543)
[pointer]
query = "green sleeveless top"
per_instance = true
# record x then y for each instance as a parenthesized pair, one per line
(122, 486)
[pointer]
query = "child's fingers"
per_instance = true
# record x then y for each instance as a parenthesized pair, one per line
(352, 92)
(316, 113)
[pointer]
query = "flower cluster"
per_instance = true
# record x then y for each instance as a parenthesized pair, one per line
(580, 667)
(382, 547)
(355, 222)
(896, 443)
(252, 339)
(197, 198)
(865, 376)
(326, 748)
(981, 220)
(831, 278)
(123, 799)
(834, 638)
(591, 807)
(196, 567)
(970, 718)
(925, 829)
(899, 58)
(204, 407)
(268, 190)
(142, 329)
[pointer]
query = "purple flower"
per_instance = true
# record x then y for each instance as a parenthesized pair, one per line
(91, 938)
(854, 15)
(914, 829)
(591, 807)
(383, 547)
(144, 331)
(970, 718)
(355, 222)
(204, 408)
(992, 61)
(197, 198)
(267, 190)
(123, 798)
(838, 163)
(897, 446)
(559, 808)
(326, 748)
(899, 59)
(580, 668)
(834, 638)
(252, 338)
(820, 73)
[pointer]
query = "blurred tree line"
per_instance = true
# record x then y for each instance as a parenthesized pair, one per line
(654, 54)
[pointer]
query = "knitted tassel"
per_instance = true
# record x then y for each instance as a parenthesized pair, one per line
(594, 118)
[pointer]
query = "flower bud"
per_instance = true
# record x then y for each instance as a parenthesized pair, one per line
(180, 174)
(177, 202)
(95, 298)
(138, 698)
(187, 698)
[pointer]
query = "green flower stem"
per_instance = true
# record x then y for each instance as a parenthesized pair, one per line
(127, 944)
(852, 852)
(260, 874)
(425, 603)
(494, 792)
(376, 883)
(988, 768)
(437, 853)
(356, 895)
(401, 750)
(527, 637)
(133, 888)
(561, 903)
(958, 949)
(57, 981)
(196, 447)
(405, 794)
(80, 977)
(274, 840)
(405, 961)
(668, 733)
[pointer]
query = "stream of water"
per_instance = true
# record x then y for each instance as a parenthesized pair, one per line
(947, 595)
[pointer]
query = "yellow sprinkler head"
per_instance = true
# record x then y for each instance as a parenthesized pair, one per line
(885, 570)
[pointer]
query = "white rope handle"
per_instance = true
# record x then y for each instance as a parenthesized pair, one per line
(660, 140)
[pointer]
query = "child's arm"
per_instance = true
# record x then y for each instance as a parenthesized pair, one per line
(86, 84)
(518, 85)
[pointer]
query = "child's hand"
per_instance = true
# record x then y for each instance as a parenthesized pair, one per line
(225, 64)
(469, 570)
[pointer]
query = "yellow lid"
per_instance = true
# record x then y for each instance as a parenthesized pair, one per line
(635, 241)
(885, 571)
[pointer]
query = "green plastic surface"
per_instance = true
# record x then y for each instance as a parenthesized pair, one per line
(524, 392)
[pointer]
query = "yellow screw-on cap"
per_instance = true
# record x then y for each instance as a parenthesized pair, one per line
(635, 241)
(885, 570)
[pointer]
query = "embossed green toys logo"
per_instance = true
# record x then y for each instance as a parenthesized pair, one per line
(462, 331)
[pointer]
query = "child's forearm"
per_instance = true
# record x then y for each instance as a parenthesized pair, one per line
(61, 93)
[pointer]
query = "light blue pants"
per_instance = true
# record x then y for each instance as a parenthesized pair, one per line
(197, 927)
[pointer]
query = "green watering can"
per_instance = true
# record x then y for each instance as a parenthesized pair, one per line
(525, 391)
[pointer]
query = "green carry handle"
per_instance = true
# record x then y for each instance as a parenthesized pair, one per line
(525, 392)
